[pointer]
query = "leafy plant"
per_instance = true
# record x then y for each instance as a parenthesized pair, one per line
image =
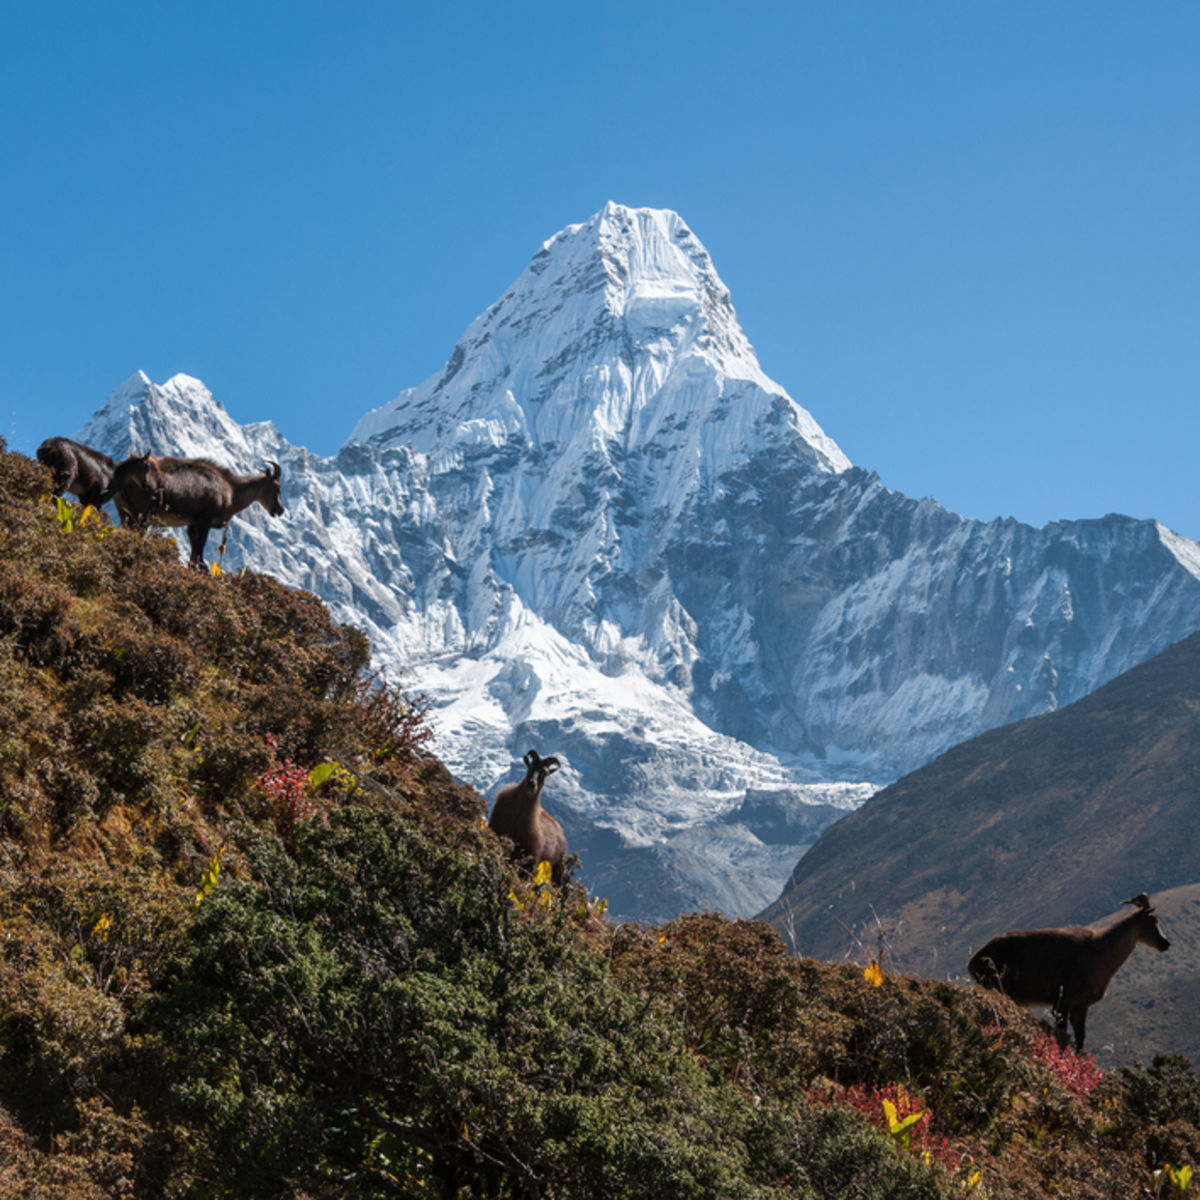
(894, 1110)
(210, 878)
(65, 512)
(900, 1125)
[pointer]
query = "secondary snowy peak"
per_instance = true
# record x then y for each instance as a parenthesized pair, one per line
(176, 417)
(617, 338)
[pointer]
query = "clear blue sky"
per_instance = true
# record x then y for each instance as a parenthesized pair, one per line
(964, 235)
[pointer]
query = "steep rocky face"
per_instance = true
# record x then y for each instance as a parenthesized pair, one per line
(602, 532)
(914, 629)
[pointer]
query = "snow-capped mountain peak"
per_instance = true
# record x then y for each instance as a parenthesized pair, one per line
(619, 334)
(603, 533)
(1184, 549)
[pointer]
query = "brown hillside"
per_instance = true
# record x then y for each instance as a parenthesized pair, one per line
(256, 942)
(1053, 820)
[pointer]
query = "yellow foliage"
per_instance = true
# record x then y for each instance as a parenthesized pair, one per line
(1180, 1179)
(66, 514)
(209, 879)
(323, 772)
(541, 884)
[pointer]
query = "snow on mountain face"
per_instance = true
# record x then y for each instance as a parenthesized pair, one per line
(619, 336)
(602, 532)
(181, 414)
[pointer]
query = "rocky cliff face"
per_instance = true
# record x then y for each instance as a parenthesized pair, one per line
(601, 531)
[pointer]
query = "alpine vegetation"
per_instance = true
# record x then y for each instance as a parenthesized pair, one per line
(256, 941)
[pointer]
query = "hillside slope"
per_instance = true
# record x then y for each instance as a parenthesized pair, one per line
(255, 942)
(1051, 821)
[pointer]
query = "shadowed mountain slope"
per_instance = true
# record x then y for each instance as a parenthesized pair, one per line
(1054, 820)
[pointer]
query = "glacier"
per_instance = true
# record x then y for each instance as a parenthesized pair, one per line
(601, 531)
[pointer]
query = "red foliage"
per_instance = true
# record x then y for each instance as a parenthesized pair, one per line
(286, 783)
(868, 1103)
(1078, 1073)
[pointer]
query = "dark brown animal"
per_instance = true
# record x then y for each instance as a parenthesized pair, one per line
(1068, 969)
(518, 815)
(191, 492)
(78, 469)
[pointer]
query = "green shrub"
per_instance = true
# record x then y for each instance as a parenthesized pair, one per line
(379, 1007)
(1165, 1091)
